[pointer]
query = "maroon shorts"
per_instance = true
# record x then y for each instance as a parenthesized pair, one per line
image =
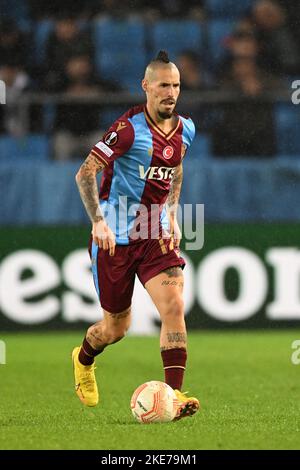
(114, 276)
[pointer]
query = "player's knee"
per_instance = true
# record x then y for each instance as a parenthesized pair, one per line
(116, 328)
(173, 309)
(115, 335)
(115, 325)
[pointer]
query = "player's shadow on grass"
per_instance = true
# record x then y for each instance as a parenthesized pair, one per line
(93, 414)
(125, 422)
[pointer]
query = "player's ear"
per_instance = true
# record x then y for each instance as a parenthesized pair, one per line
(145, 84)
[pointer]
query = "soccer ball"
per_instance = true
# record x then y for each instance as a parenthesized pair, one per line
(154, 402)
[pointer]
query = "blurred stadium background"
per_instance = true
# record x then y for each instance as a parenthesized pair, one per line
(70, 69)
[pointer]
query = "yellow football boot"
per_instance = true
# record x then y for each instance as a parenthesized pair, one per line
(85, 381)
(187, 406)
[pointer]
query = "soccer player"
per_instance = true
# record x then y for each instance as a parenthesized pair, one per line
(140, 158)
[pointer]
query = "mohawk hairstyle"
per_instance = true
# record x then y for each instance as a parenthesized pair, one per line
(161, 60)
(162, 56)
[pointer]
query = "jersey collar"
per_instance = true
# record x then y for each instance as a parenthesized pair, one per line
(152, 124)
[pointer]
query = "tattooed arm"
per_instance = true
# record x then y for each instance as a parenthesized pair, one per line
(172, 204)
(175, 189)
(87, 185)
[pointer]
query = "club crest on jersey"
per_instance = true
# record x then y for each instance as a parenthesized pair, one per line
(111, 138)
(168, 152)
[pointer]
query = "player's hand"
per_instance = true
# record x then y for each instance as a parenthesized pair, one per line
(104, 237)
(175, 232)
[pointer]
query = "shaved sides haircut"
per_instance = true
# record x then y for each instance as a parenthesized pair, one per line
(161, 60)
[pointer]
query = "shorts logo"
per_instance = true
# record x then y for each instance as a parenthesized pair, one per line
(106, 150)
(111, 138)
(168, 152)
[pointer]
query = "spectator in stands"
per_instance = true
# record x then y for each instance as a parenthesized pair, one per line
(16, 67)
(292, 8)
(13, 44)
(245, 25)
(17, 81)
(195, 77)
(77, 124)
(246, 127)
(241, 44)
(67, 39)
(278, 48)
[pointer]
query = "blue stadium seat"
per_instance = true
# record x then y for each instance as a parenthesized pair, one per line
(34, 147)
(176, 36)
(109, 115)
(120, 51)
(49, 115)
(42, 31)
(231, 9)
(287, 118)
(201, 147)
(217, 31)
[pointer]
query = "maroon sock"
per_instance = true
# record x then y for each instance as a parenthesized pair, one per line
(174, 361)
(87, 353)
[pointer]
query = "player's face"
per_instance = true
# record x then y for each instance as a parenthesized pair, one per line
(163, 91)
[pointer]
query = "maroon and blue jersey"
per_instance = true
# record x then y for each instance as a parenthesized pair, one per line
(140, 160)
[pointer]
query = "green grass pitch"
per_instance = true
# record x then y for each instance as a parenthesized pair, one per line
(246, 383)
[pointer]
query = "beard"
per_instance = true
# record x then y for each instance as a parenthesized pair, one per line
(165, 114)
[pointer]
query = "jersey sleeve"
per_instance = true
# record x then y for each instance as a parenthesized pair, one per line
(115, 142)
(188, 134)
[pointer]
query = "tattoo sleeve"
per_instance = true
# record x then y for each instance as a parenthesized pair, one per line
(87, 185)
(175, 189)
